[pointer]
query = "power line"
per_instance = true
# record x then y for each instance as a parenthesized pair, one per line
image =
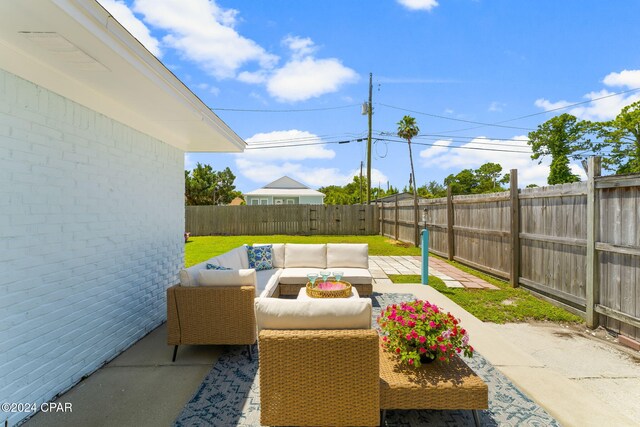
(458, 147)
(548, 111)
(573, 105)
(451, 118)
(304, 144)
(299, 110)
(388, 140)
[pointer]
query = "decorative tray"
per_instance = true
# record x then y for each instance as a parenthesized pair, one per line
(329, 289)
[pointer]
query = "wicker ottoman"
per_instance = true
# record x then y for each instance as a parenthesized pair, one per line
(434, 386)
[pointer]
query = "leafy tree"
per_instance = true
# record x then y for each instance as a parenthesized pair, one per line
(622, 137)
(205, 186)
(465, 182)
(487, 178)
(350, 193)
(408, 129)
(559, 137)
(436, 189)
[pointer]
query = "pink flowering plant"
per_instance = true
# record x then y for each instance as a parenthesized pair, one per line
(419, 332)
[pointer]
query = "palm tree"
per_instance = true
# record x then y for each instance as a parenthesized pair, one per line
(407, 129)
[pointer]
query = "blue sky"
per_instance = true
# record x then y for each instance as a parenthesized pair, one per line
(450, 62)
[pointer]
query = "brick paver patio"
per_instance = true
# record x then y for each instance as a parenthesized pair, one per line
(382, 266)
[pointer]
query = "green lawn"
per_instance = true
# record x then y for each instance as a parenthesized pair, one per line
(497, 306)
(200, 249)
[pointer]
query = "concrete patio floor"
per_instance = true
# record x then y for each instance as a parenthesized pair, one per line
(142, 387)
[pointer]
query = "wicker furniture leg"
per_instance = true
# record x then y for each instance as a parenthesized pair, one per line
(175, 352)
(476, 417)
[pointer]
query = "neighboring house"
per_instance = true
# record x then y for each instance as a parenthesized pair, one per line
(93, 132)
(392, 198)
(284, 191)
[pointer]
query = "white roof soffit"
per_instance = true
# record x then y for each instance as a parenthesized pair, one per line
(77, 49)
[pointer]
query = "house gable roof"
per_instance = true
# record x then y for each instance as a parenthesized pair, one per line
(285, 182)
(285, 186)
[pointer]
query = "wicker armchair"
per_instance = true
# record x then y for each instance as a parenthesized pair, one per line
(211, 315)
(319, 377)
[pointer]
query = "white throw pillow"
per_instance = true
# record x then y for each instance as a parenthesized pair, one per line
(305, 255)
(243, 277)
(189, 276)
(354, 255)
(275, 313)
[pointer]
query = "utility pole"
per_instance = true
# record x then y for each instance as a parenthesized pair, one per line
(370, 111)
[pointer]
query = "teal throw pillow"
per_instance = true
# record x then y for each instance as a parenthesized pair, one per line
(216, 267)
(260, 257)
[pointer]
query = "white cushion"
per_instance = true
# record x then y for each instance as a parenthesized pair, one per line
(347, 255)
(305, 255)
(276, 313)
(234, 259)
(277, 253)
(189, 276)
(243, 277)
(298, 276)
(267, 279)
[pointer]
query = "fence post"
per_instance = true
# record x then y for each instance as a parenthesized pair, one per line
(416, 232)
(381, 218)
(515, 229)
(593, 279)
(397, 225)
(450, 236)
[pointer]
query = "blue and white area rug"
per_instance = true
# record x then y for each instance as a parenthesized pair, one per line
(230, 394)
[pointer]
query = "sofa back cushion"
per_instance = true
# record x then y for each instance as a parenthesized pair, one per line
(235, 258)
(242, 277)
(275, 313)
(305, 255)
(354, 255)
(277, 253)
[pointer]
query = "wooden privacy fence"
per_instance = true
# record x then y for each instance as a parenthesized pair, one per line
(577, 245)
(282, 219)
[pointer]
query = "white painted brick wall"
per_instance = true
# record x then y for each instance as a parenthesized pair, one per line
(91, 223)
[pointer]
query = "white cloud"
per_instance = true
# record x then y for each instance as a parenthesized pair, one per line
(419, 4)
(547, 105)
(302, 79)
(496, 106)
(203, 33)
(443, 156)
(602, 109)
(287, 140)
(300, 47)
(136, 27)
(628, 78)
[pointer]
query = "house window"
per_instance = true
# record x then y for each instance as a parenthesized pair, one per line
(254, 201)
(291, 202)
(264, 201)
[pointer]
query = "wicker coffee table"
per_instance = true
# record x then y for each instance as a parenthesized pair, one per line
(433, 386)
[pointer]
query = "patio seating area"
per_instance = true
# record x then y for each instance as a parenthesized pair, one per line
(143, 386)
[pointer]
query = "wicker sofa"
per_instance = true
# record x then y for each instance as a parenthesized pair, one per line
(318, 363)
(216, 307)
